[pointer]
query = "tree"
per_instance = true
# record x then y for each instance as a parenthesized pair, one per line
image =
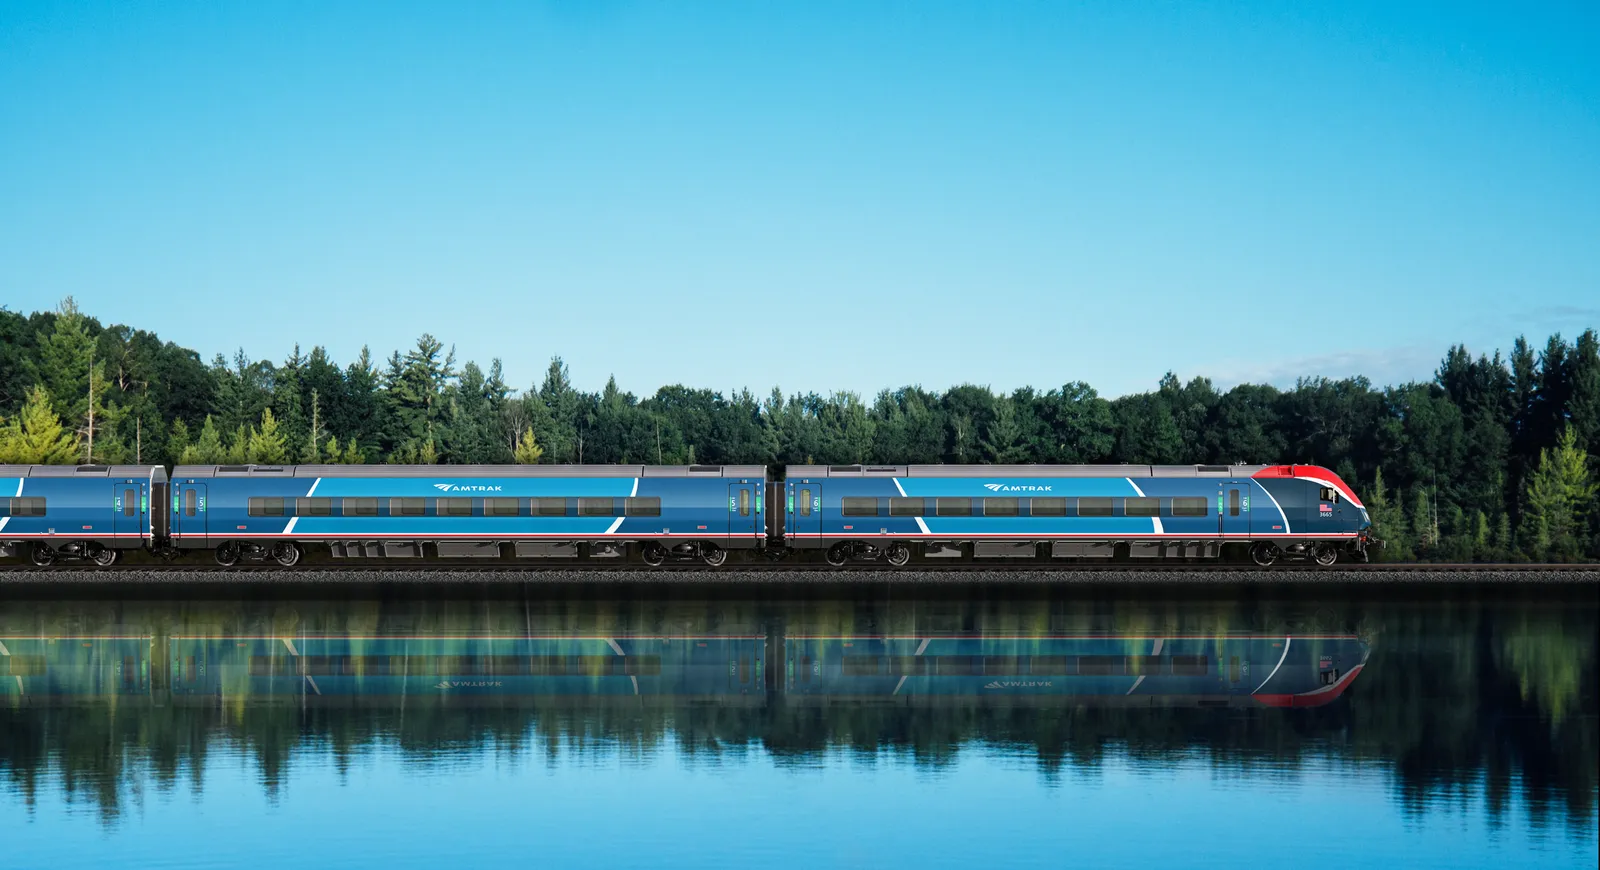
(1002, 442)
(36, 436)
(1560, 494)
(267, 444)
(207, 448)
(528, 451)
(1388, 522)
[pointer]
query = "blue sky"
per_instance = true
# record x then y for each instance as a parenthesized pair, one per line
(822, 196)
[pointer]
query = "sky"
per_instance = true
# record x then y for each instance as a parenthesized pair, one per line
(820, 196)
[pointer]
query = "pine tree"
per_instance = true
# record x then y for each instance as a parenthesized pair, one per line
(428, 454)
(178, 441)
(352, 454)
(36, 436)
(1482, 541)
(1502, 537)
(238, 450)
(1424, 527)
(333, 456)
(207, 449)
(1388, 522)
(1002, 442)
(311, 454)
(528, 451)
(267, 445)
(1560, 493)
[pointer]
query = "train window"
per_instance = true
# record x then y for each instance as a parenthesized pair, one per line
(1060, 666)
(32, 506)
(547, 507)
(595, 507)
(907, 507)
(1233, 502)
(1189, 666)
(1233, 669)
(912, 666)
(960, 666)
(500, 507)
(188, 502)
(1047, 507)
(953, 507)
(646, 506)
(130, 502)
(406, 507)
(1141, 507)
(313, 507)
(1145, 665)
(452, 507)
(805, 502)
(360, 507)
(1328, 493)
(1002, 666)
(1000, 507)
(744, 502)
(1101, 666)
(269, 506)
(1188, 506)
(855, 506)
(1094, 507)
(860, 666)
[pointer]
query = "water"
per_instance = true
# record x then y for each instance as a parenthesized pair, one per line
(1434, 727)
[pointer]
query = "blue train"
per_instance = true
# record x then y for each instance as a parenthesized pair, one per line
(466, 669)
(1099, 669)
(653, 514)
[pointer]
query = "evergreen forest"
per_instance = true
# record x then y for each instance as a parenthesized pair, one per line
(1493, 459)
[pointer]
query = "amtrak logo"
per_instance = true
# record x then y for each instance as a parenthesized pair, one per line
(468, 684)
(1020, 684)
(459, 487)
(1001, 487)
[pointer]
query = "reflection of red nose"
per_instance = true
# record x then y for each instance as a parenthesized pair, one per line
(1314, 698)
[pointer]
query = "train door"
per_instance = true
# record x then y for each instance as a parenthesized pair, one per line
(189, 513)
(1233, 510)
(743, 519)
(128, 509)
(806, 510)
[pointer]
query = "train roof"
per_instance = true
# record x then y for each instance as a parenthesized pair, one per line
(811, 471)
(152, 472)
(335, 471)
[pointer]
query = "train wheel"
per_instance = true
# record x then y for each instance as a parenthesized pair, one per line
(1327, 556)
(898, 555)
(713, 555)
(105, 557)
(838, 554)
(228, 554)
(654, 554)
(43, 556)
(1264, 554)
(287, 555)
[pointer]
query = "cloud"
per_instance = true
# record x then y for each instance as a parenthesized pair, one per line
(1382, 366)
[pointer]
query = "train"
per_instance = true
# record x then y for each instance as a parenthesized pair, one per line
(751, 669)
(842, 515)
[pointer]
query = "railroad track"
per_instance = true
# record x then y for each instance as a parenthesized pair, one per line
(780, 572)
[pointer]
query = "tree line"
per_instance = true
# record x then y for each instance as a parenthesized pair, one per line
(1491, 459)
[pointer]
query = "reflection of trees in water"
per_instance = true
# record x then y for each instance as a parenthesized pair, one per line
(1461, 697)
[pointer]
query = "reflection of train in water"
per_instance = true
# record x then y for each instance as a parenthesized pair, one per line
(971, 668)
(1102, 669)
(466, 669)
(87, 667)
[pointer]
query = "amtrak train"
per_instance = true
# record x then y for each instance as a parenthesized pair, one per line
(620, 514)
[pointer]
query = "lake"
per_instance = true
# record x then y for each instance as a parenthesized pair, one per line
(1437, 726)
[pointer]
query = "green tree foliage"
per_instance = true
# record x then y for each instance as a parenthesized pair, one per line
(528, 451)
(36, 436)
(1561, 495)
(1458, 455)
(268, 445)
